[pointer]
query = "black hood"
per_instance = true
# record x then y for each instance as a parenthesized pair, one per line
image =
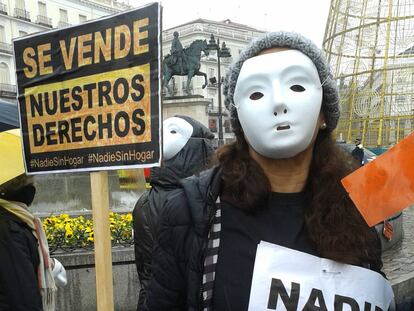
(191, 159)
(24, 194)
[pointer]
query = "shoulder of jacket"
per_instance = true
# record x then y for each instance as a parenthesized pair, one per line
(199, 185)
(176, 210)
(184, 205)
(11, 218)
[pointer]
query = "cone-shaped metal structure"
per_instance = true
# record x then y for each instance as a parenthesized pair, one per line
(370, 46)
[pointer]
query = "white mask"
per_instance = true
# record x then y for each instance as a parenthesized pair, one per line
(278, 98)
(176, 133)
(59, 273)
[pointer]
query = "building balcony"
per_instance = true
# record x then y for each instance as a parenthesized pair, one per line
(8, 90)
(22, 14)
(63, 24)
(6, 48)
(216, 29)
(44, 21)
(3, 9)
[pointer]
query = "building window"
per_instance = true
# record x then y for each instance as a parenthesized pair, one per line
(5, 47)
(63, 18)
(63, 14)
(4, 74)
(20, 10)
(42, 18)
(2, 34)
(82, 18)
(42, 9)
(20, 4)
(3, 8)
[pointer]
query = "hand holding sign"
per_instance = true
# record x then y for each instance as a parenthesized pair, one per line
(385, 186)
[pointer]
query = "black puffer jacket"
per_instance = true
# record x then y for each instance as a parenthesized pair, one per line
(183, 237)
(182, 245)
(194, 156)
(19, 260)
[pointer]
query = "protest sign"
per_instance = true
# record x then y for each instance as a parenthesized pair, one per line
(89, 99)
(384, 186)
(286, 279)
(89, 95)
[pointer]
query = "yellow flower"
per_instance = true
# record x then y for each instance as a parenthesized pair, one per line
(78, 231)
(69, 233)
(60, 226)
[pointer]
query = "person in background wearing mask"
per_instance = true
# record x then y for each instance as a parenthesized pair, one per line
(187, 150)
(28, 276)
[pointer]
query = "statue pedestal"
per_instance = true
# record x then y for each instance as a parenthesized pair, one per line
(194, 106)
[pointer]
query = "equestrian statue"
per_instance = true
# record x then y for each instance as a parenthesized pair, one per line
(184, 62)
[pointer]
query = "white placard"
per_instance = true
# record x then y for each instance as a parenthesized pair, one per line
(289, 280)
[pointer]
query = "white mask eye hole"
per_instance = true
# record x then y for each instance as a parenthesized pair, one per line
(173, 132)
(297, 88)
(256, 96)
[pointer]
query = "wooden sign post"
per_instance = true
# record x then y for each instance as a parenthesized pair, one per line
(102, 241)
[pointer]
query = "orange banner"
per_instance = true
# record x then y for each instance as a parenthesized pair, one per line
(384, 186)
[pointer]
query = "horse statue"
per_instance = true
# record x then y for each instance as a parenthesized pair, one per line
(190, 63)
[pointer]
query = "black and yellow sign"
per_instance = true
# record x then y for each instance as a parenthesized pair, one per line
(89, 95)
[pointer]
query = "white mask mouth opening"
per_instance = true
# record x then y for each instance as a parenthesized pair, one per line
(283, 127)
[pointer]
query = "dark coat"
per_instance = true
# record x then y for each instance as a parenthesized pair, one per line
(183, 238)
(358, 154)
(19, 260)
(191, 159)
(182, 244)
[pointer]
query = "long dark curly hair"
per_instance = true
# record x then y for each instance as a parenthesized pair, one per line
(334, 225)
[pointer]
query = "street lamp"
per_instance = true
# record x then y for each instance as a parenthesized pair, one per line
(221, 52)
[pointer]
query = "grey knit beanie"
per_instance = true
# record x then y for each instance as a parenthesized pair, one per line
(330, 101)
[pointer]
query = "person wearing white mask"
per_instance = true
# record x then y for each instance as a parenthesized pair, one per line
(187, 150)
(278, 183)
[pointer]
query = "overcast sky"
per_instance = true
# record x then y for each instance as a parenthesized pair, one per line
(305, 16)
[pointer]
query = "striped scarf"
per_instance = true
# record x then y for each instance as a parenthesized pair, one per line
(210, 261)
(44, 273)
